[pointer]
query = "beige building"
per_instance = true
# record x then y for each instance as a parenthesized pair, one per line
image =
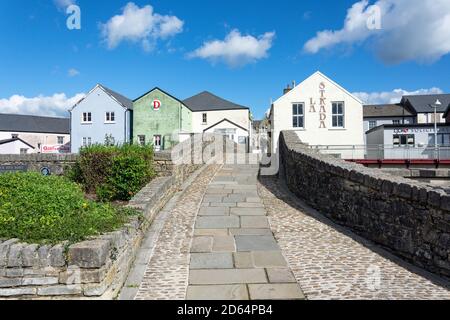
(212, 114)
(321, 112)
(42, 134)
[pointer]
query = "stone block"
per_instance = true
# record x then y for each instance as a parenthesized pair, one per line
(30, 256)
(40, 281)
(56, 256)
(94, 290)
(224, 244)
(268, 259)
(280, 275)
(89, 254)
(256, 243)
(219, 222)
(60, 290)
(4, 250)
(251, 232)
(17, 292)
(227, 276)
(275, 292)
(211, 261)
(217, 292)
(202, 244)
(211, 232)
(43, 256)
(10, 282)
(214, 211)
(248, 211)
(15, 255)
(254, 222)
(243, 260)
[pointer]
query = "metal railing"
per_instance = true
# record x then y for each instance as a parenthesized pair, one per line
(383, 152)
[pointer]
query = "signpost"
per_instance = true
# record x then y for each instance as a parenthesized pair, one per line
(13, 168)
(55, 149)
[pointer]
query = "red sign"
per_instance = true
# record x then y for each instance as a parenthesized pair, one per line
(55, 149)
(156, 105)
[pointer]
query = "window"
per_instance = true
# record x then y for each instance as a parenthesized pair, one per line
(60, 140)
(298, 115)
(205, 118)
(87, 141)
(110, 117)
(396, 122)
(141, 140)
(403, 140)
(87, 117)
(23, 151)
(372, 124)
(14, 136)
(443, 139)
(338, 115)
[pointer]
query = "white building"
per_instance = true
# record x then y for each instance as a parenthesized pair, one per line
(41, 134)
(15, 146)
(212, 114)
(321, 112)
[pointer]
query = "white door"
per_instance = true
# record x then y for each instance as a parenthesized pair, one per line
(157, 141)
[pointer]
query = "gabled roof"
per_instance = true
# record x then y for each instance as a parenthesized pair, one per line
(25, 123)
(159, 89)
(386, 110)
(14, 140)
(124, 101)
(206, 101)
(326, 78)
(421, 103)
(235, 124)
(120, 99)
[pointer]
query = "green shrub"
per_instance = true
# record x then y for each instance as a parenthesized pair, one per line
(114, 172)
(52, 209)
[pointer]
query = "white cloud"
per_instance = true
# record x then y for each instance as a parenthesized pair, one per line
(73, 72)
(236, 49)
(63, 4)
(140, 25)
(55, 105)
(411, 30)
(393, 96)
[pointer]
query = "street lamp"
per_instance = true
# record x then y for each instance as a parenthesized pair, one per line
(436, 105)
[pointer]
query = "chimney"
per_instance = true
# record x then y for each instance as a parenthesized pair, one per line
(288, 88)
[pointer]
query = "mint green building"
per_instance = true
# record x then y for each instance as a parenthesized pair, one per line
(160, 119)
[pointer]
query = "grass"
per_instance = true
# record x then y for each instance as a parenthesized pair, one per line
(38, 209)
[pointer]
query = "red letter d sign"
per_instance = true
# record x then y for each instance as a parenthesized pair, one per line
(156, 105)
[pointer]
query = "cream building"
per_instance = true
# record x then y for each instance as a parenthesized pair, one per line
(212, 114)
(322, 113)
(42, 134)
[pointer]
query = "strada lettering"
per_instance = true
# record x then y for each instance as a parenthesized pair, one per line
(193, 311)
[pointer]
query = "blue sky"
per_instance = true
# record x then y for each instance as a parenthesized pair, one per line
(244, 51)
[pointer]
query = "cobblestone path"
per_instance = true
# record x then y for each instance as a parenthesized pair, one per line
(230, 236)
(330, 262)
(234, 254)
(166, 274)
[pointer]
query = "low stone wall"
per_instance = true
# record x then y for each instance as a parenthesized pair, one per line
(407, 217)
(57, 163)
(96, 268)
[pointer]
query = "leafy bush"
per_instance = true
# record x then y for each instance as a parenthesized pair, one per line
(114, 172)
(51, 209)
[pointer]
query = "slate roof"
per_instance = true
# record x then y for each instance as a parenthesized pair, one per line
(386, 110)
(421, 103)
(206, 101)
(127, 103)
(25, 123)
(14, 140)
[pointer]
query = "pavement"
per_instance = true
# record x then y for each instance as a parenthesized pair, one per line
(231, 235)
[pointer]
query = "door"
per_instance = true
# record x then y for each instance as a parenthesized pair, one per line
(157, 141)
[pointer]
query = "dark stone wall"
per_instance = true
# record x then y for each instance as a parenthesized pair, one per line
(407, 217)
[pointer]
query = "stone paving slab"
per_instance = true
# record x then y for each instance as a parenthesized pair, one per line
(275, 291)
(227, 276)
(218, 292)
(211, 261)
(237, 222)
